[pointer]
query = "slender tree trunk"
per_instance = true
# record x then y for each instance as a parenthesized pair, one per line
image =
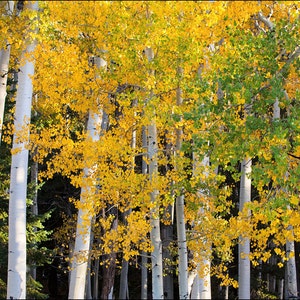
(144, 276)
(201, 288)
(167, 232)
(124, 280)
(34, 207)
(204, 282)
(96, 279)
(88, 284)
(84, 218)
(226, 297)
(182, 249)
(271, 278)
(4, 65)
(244, 242)
(180, 218)
(84, 221)
(144, 258)
(280, 288)
(109, 268)
(16, 280)
(156, 255)
(124, 271)
(194, 288)
(291, 290)
(167, 237)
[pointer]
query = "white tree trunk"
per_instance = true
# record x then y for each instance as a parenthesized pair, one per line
(84, 219)
(280, 288)
(180, 218)
(244, 242)
(16, 280)
(156, 255)
(144, 276)
(167, 238)
(144, 270)
(204, 282)
(182, 249)
(84, 222)
(194, 288)
(4, 64)
(201, 286)
(124, 280)
(291, 290)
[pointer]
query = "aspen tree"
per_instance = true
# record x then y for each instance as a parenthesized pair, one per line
(156, 255)
(4, 65)
(144, 269)
(290, 286)
(244, 242)
(84, 219)
(16, 282)
(291, 290)
(124, 293)
(83, 231)
(201, 285)
(180, 218)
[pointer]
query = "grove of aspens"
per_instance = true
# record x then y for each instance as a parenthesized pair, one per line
(149, 149)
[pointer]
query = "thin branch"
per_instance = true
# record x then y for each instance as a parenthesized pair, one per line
(266, 21)
(294, 156)
(291, 59)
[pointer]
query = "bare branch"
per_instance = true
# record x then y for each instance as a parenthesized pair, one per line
(291, 59)
(266, 21)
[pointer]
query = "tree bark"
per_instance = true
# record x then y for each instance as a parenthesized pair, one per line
(4, 65)
(96, 278)
(144, 269)
(109, 269)
(16, 281)
(180, 218)
(84, 219)
(167, 238)
(156, 255)
(291, 290)
(34, 206)
(124, 271)
(84, 223)
(201, 287)
(244, 242)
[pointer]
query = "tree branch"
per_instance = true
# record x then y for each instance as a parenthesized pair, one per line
(292, 58)
(266, 21)
(294, 156)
